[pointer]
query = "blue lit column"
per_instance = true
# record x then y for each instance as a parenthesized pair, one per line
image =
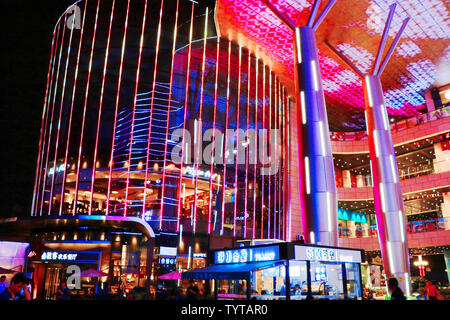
(318, 198)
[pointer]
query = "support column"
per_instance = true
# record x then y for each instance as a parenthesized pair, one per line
(318, 198)
(389, 208)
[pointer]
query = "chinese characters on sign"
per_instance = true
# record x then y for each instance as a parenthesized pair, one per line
(59, 256)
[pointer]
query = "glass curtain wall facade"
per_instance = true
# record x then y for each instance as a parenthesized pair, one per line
(134, 87)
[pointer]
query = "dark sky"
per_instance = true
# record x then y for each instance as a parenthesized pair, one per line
(27, 28)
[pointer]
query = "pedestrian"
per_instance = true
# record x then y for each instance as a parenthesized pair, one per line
(63, 292)
(394, 289)
(3, 283)
(431, 291)
(421, 295)
(18, 282)
(192, 292)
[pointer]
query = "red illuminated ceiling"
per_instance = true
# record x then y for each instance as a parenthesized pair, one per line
(420, 61)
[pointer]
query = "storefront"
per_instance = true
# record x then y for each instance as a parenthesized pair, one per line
(283, 271)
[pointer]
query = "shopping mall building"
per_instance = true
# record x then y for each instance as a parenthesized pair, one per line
(171, 128)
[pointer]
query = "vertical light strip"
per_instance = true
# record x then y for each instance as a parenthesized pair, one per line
(269, 207)
(184, 121)
(367, 123)
(371, 172)
(376, 143)
(100, 108)
(303, 106)
(80, 151)
(43, 123)
(298, 42)
(408, 288)
(51, 119)
(312, 237)
(385, 118)
(247, 151)
(274, 158)
(55, 174)
(279, 155)
(393, 169)
(369, 91)
(322, 139)
(308, 183)
(133, 117)
(200, 125)
(46, 110)
(329, 211)
(155, 71)
(69, 129)
(119, 86)
(174, 46)
(315, 76)
(213, 151)
(263, 177)
(255, 157)
(224, 180)
(402, 226)
(391, 257)
(236, 168)
(383, 197)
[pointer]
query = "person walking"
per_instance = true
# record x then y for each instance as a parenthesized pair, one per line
(431, 291)
(394, 290)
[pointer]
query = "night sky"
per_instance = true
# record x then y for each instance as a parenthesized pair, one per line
(27, 28)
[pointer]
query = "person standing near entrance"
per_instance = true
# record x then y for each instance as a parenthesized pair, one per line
(431, 291)
(18, 282)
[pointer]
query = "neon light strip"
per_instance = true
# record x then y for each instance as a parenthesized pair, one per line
(391, 257)
(94, 163)
(299, 45)
(369, 92)
(185, 115)
(85, 109)
(59, 122)
(197, 152)
(51, 120)
(274, 157)
(247, 151)
(383, 197)
(158, 38)
(174, 44)
(213, 151)
(322, 139)
(236, 179)
(314, 73)
(69, 129)
(308, 183)
(119, 86)
(44, 123)
(375, 141)
(385, 118)
(133, 117)
(269, 207)
(279, 144)
(313, 239)
(224, 181)
(402, 226)
(255, 158)
(303, 106)
(329, 206)
(263, 177)
(393, 169)
(408, 288)
(367, 123)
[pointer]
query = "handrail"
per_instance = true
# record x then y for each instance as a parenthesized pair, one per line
(395, 126)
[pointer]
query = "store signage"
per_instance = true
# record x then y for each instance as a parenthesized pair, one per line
(59, 168)
(244, 255)
(191, 171)
(327, 254)
(77, 256)
(199, 255)
(168, 251)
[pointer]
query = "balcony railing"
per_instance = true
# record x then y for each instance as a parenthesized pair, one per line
(396, 126)
(427, 225)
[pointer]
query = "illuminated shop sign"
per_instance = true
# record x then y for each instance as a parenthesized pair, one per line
(167, 261)
(59, 168)
(247, 255)
(191, 171)
(76, 256)
(327, 254)
(168, 251)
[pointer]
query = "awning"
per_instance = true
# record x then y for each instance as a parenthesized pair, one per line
(235, 271)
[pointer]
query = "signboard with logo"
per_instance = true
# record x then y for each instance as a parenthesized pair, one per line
(247, 254)
(70, 256)
(327, 254)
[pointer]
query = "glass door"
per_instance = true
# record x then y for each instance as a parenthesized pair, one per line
(353, 282)
(326, 281)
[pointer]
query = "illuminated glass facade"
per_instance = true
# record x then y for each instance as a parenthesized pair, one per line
(126, 88)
